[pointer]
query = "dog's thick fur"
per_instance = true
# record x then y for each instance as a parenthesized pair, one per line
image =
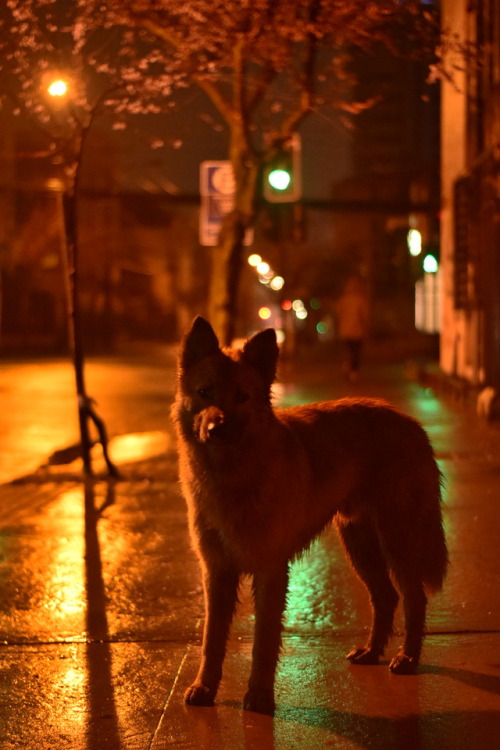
(262, 483)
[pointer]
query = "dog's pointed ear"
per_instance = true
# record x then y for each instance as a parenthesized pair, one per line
(261, 351)
(200, 341)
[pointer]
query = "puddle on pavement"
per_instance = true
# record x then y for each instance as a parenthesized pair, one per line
(134, 446)
(137, 446)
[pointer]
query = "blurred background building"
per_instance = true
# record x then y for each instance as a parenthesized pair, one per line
(406, 198)
(470, 208)
(143, 271)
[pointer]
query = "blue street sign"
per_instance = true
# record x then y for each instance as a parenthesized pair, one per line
(217, 188)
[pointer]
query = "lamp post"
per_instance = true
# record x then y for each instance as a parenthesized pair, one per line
(58, 88)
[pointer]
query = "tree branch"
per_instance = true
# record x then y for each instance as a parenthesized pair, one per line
(238, 78)
(214, 94)
(260, 88)
(307, 81)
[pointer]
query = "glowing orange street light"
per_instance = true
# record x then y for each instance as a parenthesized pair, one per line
(58, 87)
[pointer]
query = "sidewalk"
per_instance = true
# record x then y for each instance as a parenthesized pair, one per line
(101, 613)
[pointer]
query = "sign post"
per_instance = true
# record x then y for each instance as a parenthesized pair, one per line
(217, 188)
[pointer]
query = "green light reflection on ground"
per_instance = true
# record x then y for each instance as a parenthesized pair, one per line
(320, 589)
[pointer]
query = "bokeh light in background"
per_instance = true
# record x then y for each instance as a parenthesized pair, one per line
(277, 283)
(263, 268)
(414, 241)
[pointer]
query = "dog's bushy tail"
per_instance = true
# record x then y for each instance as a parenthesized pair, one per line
(434, 560)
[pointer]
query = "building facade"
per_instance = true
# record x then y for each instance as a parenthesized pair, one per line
(470, 197)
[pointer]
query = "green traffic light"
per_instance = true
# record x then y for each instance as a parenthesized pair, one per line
(279, 179)
(430, 264)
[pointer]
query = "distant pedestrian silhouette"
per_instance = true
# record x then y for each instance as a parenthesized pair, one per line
(353, 319)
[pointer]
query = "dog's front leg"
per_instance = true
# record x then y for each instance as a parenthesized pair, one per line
(221, 589)
(270, 599)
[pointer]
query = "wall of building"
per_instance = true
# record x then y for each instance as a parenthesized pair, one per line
(456, 327)
(470, 213)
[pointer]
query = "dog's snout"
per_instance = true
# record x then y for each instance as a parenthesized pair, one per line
(212, 426)
(208, 423)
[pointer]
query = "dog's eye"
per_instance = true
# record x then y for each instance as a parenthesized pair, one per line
(205, 393)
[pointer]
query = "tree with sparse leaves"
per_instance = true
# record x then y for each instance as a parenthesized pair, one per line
(266, 65)
(44, 41)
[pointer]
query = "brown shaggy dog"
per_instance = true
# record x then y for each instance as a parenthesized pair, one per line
(262, 483)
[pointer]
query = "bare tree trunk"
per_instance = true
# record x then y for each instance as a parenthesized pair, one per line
(86, 411)
(75, 331)
(227, 260)
(228, 256)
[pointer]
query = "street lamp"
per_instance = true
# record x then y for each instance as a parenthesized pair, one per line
(59, 87)
(73, 133)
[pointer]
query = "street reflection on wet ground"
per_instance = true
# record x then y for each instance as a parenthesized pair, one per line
(101, 613)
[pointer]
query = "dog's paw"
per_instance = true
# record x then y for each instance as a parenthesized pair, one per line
(363, 656)
(260, 701)
(403, 664)
(199, 695)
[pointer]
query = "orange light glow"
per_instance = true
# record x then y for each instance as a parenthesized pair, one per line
(263, 268)
(264, 313)
(58, 88)
(277, 283)
(254, 260)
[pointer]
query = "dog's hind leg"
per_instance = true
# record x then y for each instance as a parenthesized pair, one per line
(270, 600)
(404, 552)
(363, 549)
(415, 602)
(221, 589)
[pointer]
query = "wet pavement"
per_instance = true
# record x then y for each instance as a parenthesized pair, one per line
(38, 415)
(101, 607)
